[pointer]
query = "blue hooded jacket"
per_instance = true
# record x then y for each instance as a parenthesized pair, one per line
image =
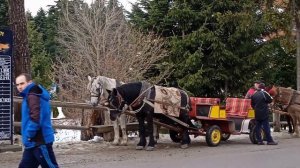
(30, 129)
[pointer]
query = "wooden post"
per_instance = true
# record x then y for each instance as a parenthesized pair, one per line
(276, 122)
(109, 136)
(17, 117)
(85, 134)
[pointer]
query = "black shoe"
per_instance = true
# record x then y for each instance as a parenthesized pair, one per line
(260, 143)
(272, 143)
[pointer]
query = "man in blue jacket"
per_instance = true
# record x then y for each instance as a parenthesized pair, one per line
(259, 102)
(37, 132)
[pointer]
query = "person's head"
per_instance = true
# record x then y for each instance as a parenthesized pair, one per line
(256, 84)
(262, 86)
(22, 81)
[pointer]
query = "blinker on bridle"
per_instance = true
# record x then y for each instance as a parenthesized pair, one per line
(121, 102)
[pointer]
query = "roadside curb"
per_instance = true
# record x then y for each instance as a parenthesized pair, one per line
(10, 148)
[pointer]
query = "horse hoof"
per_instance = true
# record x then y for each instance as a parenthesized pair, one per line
(139, 147)
(295, 135)
(123, 144)
(149, 148)
(184, 146)
(116, 143)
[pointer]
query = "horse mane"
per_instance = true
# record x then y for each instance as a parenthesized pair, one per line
(89, 85)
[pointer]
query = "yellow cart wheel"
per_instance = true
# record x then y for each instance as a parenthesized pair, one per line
(213, 136)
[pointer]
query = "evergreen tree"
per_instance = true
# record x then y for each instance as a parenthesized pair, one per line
(282, 65)
(40, 60)
(40, 23)
(52, 46)
(3, 14)
(216, 47)
(281, 69)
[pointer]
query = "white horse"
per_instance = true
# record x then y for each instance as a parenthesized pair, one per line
(98, 87)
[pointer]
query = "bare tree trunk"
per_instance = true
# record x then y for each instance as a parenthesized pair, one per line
(18, 26)
(21, 59)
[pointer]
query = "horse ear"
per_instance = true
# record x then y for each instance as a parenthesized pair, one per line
(90, 78)
(115, 92)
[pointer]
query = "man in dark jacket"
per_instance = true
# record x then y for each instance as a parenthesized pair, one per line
(37, 131)
(252, 90)
(259, 102)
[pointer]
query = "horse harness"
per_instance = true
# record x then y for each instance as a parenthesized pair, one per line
(282, 106)
(291, 101)
(142, 98)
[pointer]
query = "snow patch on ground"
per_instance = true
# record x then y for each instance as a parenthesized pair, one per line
(65, 135)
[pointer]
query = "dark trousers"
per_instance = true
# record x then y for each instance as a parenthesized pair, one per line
(41, 155)
(266, 127)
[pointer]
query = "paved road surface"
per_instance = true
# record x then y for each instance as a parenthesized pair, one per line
(238, 152)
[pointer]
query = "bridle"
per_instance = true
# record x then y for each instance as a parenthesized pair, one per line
(277, 103)
(121, 102)
(98, 92)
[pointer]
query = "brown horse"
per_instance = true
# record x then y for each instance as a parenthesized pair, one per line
(287, 100)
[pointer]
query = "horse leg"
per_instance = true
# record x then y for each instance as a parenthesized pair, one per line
(290, 122)
(295, 122)
(141, 120)
(296, 125)
(186, 138)
(151, 144)
(156, 133)
(293, 111)
(123, 128)
(116, 131)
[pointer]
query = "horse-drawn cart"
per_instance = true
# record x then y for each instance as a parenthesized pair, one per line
(169, 107)
(217, 122)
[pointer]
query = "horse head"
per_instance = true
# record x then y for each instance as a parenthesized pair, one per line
(116, 103)
(272, 90)
(281, 95)
(96, 90)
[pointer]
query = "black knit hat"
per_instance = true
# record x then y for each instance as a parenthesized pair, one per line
(258, 81)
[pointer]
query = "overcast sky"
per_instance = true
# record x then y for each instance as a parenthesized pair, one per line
(34, 5)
